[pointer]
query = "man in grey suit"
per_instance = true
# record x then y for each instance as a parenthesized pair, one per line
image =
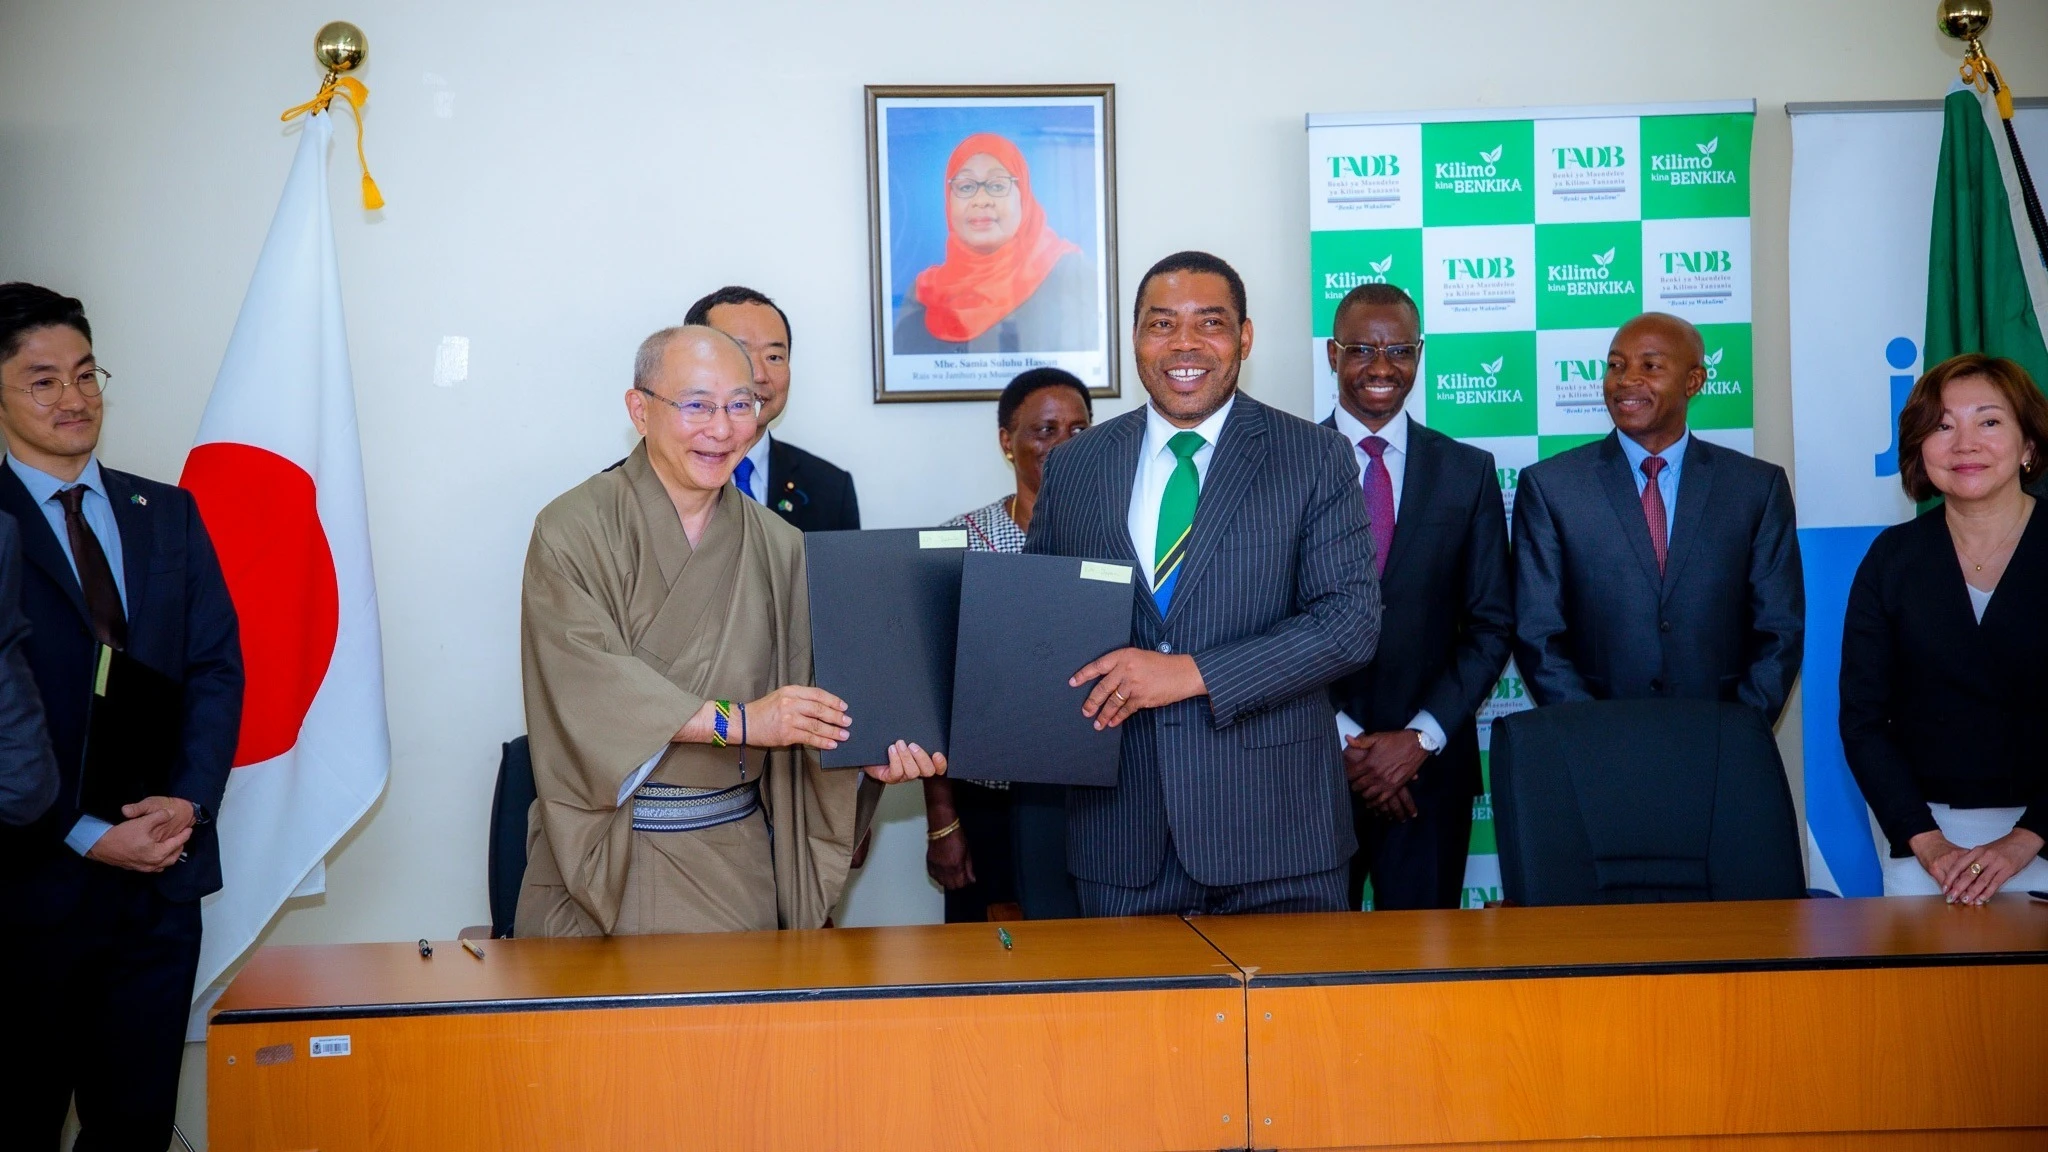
(1255, 591)
(28, 769)
(1652, 563)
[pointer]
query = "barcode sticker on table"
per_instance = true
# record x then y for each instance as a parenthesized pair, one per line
(328, 1046)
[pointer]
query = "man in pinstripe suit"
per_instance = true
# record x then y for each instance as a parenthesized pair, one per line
(1257, 592)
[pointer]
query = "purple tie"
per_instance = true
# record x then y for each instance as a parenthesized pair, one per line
(1653, 510)
(1379, 501)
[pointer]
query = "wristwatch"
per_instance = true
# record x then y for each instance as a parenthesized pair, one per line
(1429, 743)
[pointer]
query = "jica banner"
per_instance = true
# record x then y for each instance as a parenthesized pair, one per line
(1863, 196)
(1526, 237)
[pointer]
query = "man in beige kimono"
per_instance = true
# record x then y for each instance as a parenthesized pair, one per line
(666, 650)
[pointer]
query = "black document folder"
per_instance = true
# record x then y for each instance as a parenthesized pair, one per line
(1027, 624)
(884, 608)
(134, 727)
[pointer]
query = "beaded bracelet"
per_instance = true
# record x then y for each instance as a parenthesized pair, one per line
(721, 722)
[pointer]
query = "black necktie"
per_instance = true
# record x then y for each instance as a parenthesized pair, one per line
(95, 576)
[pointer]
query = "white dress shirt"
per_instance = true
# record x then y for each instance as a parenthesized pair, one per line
(1395, 453)
(1396, 456)
(1156, 463)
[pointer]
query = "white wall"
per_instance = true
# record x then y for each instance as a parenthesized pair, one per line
(601, 164)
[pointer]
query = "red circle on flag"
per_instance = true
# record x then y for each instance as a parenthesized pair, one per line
(260, 509)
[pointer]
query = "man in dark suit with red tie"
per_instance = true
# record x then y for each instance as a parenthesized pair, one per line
(1440, 542)
(104, 923)
(1652, 563)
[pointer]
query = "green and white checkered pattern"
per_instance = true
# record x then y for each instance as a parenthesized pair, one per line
(1526, 239)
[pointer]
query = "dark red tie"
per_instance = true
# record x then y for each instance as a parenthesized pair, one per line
(1653, 511)
(1378, 490)
(95, 576)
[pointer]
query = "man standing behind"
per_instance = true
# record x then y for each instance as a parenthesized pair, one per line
(1255, 591)
(808, 491)
(103, 937)
(1440, 538)
(1652, 563)
(28, 771)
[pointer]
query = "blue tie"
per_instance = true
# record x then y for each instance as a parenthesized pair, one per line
(744, 477)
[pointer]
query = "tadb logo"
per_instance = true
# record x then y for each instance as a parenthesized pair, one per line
(1480, 268)
(1601, 157)
(1696, 262)
(1362, 167)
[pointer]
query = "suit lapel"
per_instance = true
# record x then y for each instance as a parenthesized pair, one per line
(138, 538)
(1233, 464)
(1120, 464)
(39, 545)
(1695, 490)
(1628, 505)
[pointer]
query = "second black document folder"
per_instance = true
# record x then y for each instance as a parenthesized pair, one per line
(884, 607)
(1027, 624)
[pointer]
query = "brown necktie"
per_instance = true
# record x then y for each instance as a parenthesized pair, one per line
(1653, 510)
(95, 576)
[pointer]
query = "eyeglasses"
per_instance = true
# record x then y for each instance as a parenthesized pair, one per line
(996, 186)
(49, 390)
(745, 411)
(1399, 355)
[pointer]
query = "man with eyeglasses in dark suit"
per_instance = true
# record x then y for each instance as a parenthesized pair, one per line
(103, 907)
(1440, 542)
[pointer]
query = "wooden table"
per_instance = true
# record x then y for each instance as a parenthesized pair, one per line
(1817, 1025)
(1812, 1025)
(1105, 1034)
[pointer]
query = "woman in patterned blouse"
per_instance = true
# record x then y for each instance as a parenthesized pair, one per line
(998, 844)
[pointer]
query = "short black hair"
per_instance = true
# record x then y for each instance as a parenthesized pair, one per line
(1025, 383)
(1192, 262)
(27, 307)
(1378, 296)
(700, 312)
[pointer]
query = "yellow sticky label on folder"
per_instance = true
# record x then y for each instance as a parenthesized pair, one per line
(1107, 573)
(942, 538)
(99, 676)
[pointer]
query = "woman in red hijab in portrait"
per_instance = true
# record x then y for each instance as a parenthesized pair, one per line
(1009, 283)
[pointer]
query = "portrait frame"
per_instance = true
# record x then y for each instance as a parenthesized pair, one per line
(1066, 136)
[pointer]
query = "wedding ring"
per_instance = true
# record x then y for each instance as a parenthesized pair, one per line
(1120, 697)
(1976, 869)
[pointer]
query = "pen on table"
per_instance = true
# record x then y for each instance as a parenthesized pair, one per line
(472, 947)
(1003, 934)
(426, 949)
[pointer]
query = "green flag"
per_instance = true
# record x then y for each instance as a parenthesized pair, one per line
(1987, 283)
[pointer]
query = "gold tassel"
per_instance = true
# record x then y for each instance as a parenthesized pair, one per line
(1978, 70)
(355, 95)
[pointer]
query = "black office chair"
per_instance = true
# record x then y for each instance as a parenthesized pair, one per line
(1642, 801)
(509, 805)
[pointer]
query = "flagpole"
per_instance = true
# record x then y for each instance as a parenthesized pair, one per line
(1967, 20)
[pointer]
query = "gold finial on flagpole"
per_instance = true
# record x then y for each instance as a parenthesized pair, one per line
(1963, 20)
(340, 46)
(1966, 20)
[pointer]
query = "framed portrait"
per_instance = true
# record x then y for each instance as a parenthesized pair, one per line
(992, 237)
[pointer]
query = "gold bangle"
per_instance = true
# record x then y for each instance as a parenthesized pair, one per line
(942, 833)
